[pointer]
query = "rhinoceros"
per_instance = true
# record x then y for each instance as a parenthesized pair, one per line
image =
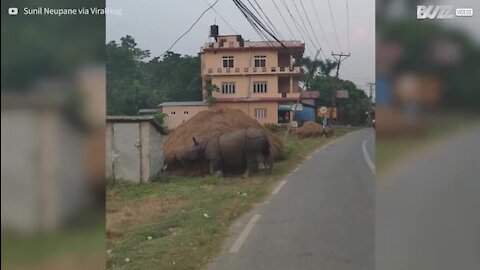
(241, 148)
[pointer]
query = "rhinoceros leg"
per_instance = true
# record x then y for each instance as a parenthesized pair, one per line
(213, 168)
(268, 161)
(251, 164)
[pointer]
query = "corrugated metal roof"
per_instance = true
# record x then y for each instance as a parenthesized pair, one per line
(136, 118)
(183, 103)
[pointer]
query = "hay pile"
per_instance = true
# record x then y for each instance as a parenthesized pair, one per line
(205, 125)
(310, 129)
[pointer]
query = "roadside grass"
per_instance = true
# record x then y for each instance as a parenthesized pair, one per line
(181, 224)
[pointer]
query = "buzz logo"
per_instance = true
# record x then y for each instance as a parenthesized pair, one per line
(434, 12)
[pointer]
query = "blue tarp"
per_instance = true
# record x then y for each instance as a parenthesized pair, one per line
(306, 114)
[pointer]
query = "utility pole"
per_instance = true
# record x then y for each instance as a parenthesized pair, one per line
(371, 90)
(339, 57)
(298, 100)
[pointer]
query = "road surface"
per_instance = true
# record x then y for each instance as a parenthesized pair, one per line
(320, 217)
(428, 210)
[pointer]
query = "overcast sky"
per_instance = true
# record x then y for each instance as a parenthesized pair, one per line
(155, 24)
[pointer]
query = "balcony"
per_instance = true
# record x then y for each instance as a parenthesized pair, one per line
(289, 95)
(254, 70)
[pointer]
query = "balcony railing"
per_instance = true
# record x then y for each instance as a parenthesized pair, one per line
(253, 70)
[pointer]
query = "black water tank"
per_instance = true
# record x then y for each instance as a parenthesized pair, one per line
(214, 31)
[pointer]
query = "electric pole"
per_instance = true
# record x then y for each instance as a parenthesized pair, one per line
(296, 105)
(371, 90)
(339, 57)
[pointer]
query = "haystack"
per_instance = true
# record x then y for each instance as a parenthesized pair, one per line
(310, 129)
(205, 125)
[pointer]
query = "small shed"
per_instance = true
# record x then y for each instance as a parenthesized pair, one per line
(134, 148)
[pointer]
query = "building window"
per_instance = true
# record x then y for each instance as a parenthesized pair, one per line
(227, 61)
(185, 112)
(261, 113)
(228, 88)
(172, 113)
(260, 87)
(260, 60)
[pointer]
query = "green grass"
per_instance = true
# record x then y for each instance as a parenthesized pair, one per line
(183, 237)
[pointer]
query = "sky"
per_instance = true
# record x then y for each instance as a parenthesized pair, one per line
(156, 24)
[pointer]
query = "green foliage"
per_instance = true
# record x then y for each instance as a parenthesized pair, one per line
(134, 82)
(160, 118)
(210, 88)
(273, 127)
(286, 153)
(316, 67)
(351, 110)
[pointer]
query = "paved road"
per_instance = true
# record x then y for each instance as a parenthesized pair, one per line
(321, 218)
(428, 210)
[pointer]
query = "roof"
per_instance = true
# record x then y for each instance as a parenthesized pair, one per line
(309, 94)
(183, 103)
(147, 111)
(291, 45)
(136, 118)
(268, 44)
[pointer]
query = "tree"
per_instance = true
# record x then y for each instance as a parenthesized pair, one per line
(134, 82)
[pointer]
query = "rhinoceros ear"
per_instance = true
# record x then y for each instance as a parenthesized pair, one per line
(194, 141)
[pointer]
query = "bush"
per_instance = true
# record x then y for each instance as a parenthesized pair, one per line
(160, 118)
(273, 127)
(286, 153)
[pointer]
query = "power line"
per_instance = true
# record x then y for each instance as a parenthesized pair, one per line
(188, 30)
(255, 22)
(266, 17)
(221, 17)
(263, 20)
(296, 24)
(333, 23)
(304, 25)
(313, 30)
(281, 15)
(348, 25)
(320, 24)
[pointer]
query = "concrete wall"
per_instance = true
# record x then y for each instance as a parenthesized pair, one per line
(249, 109)
(155, 152)
(44, 196)
(174, 120)
(134, 151)
(242, 58)
(244, 86)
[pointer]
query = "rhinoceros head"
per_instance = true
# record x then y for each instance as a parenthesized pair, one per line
(196, 152)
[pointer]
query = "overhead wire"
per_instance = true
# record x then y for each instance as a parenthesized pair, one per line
(296, 25)
(275, 30)
(333, 24)
(320, 24)
(348, 26)
(304, 26)
(189, 29)
(221, 17)
(257, 24)
(283, 18)
(313, 30)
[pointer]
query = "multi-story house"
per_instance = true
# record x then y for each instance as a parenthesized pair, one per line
(258, 77)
